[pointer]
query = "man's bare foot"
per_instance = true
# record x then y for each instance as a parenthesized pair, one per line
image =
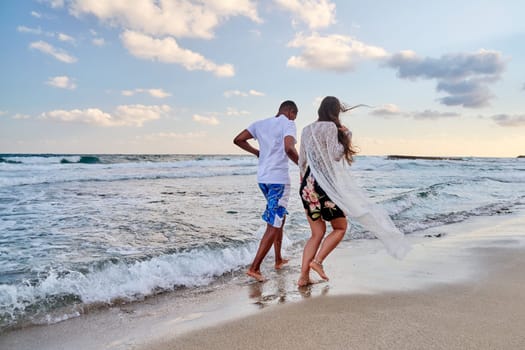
(256, 275)
(280, 264)
(318, 267)
(303, 281)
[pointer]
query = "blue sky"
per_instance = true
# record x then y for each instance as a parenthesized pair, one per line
(144, 76)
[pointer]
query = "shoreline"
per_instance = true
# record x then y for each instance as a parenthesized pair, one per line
(453, 257)
(472, 299)
(485, 314)
(397, 156)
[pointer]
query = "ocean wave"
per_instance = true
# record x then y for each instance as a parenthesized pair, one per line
(507, 179)
(41, 159)
(417, 197)
(97, 177)
(38, 159)
(82, 160)
(439, 219)
(9, 161)
(95, 169)
(122, 281)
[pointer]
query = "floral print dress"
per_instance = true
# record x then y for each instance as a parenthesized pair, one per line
(316, 201)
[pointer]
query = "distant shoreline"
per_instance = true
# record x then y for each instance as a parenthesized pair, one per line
(395, 156)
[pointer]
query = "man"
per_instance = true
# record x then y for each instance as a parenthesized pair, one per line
(276, 137)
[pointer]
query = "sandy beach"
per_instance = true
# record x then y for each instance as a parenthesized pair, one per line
(486, 314)
(483, 312)
(461, 287)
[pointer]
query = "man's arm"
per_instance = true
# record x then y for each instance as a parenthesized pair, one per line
(289, 148)
(241, 140)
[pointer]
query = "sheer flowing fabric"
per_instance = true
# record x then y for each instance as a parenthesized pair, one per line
(321, 151)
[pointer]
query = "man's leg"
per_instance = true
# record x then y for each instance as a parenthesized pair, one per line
(264, 246)
(279, 261)
(276, 197)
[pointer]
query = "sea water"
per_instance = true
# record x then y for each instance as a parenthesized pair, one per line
(84, 230)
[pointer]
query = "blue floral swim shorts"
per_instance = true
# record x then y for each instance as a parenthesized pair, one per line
(276, 201)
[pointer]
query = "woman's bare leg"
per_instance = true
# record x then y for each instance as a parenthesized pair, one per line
(331, 241)
(318, 229)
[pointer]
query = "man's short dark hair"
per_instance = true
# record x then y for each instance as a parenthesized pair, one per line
(287, 105)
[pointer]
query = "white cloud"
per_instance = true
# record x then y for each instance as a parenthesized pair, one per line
(158, 93)
(429, 114)
(38, 31)
(65, 38)
(388, 109)
(59, 54)
(332, 52)
(179, 18)
(464, 77)
(24, 29)
(55, 3)
(231, 93)
(3, 113)
(391, 110)
(256, 93)
(315, 13)
(124, 115)
(167, 50)
(21, 116)
(205, 120)
(98, 41)
(36, 14)
(509, 120)
(231, 111)
(147, 20)
(63, 82)
(175, 135)
(251, 92)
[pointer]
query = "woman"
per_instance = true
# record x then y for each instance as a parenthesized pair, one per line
(329, 193)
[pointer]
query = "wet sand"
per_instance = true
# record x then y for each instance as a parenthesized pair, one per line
(461, 287)
(488, 313)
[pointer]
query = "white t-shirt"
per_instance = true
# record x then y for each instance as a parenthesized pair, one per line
(273, 161)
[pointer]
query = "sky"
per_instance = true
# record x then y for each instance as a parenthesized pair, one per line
(443, 78)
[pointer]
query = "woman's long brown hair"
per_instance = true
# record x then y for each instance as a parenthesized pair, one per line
(329, 110)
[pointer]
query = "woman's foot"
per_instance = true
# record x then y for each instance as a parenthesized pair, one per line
(303, 281)
(279, 265)
(318, 267)
(256, 275)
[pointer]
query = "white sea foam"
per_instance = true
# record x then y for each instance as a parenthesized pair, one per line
(127, 281)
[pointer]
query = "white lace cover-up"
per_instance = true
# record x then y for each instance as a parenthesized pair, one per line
(321, 151)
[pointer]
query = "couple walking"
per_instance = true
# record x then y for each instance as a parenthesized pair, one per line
(328, 191)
